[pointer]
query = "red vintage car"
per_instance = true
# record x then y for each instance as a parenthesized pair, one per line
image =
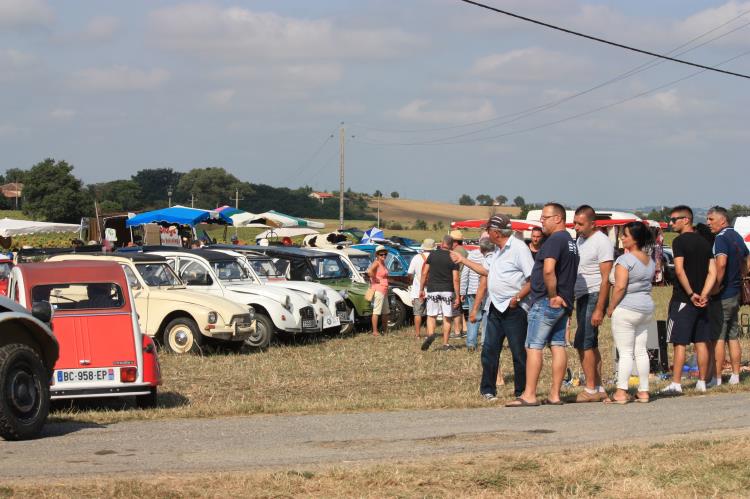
(5, 265)
(102, 350)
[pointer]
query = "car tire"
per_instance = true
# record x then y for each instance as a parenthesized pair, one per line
(24, 392)
(261, 338)
(348, 327)
(181, 336)
(146, 401)
(397, 315)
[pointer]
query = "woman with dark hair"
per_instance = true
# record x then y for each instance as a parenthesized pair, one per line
(632, 310)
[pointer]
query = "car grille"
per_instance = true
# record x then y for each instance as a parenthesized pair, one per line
(241, 321)
(308, 318)
(341, 312)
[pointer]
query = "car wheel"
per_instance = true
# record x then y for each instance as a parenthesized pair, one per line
(182, 336)
(348, 327)
(261, 338)
(146, 401)
(24, 392)
(398, 312)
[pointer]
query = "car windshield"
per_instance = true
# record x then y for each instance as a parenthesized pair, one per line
(265, 268)
(362, 262)
(329, 267)
(158, 274)
(4, 270)
(230, 270)
(407, 258)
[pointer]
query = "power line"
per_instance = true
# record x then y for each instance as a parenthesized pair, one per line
(543, 107)
(602, 40)
(309, 160)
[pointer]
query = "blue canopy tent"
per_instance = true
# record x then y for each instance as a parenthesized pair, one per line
(180, 215)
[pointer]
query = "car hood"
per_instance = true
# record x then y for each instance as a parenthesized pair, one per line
(198, 299)
(309, 288)
(270, 292)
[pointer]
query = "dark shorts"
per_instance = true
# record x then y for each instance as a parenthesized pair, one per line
(419, 307)
(723, 315)
(587, 336)
(688, 324)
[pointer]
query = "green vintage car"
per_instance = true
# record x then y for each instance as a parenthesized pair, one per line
(301, 264)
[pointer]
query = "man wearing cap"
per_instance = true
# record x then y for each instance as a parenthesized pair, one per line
(415, 270)
(469, 287)
(439, 285)
(459, 326)
(552, 291)
(505, 275)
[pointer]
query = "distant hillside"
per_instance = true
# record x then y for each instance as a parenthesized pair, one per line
(408, 210)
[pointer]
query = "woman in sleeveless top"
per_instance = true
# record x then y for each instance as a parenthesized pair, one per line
(379, 283)
(632, 310)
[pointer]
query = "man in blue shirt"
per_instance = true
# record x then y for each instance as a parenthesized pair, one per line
(553, 281)
(505, 275)
(730, 254)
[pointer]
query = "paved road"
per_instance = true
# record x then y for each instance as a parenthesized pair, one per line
(248, 443)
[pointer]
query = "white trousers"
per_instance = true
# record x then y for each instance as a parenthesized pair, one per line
(630, 333)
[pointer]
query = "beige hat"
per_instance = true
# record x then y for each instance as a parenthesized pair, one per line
(380, 248)
(428, 244)
(457, 235)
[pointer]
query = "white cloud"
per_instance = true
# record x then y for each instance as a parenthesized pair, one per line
(529, 64)
(336, 108)
(222, 97)
(709, 19)
(62, 114)
(422, 111)
(15, 64)
(8, 130)
(235, 32)
(305, 75)
(15, 14)
(118, 79)
(101, 28)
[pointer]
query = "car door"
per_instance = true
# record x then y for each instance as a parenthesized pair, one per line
(197, 275)
(141, 296)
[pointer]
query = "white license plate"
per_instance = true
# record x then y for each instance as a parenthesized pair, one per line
(332, 321)
(89, 375)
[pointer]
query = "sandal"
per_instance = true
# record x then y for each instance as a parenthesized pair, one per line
(519, 402)
(549, 402)
(624, 401)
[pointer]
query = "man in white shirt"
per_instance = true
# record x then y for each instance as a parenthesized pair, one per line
(505, 275)
(596, 253)
(415, 270)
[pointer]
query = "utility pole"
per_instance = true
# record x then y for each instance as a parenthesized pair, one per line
(237, 200)
(169, 194)
(192, 200)
(341, 177)
(379, 197)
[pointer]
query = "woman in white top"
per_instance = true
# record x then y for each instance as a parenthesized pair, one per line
(632, 310)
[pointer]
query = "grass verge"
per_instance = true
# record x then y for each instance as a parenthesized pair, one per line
(705, 467)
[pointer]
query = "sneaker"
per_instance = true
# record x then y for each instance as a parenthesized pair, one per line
(488, 397)
(672, 389)
(700, 386)
(734, 379)
(428, 341)
(447, 347)
(585, 396)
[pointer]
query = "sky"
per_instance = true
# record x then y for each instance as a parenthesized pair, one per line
(437, 97)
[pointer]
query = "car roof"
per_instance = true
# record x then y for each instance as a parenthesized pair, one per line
(211, 256)
(136, 256)
(290, 251)
(71, 271)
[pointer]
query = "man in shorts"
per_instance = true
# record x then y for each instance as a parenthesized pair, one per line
(688, 322)
(439, 286)
(415, 270)
(730, 254)
(596, 253)
(552, 283)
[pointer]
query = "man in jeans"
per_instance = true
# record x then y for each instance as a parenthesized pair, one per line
(552, 282)
(506, 272)
(730, 255)
(440, 280)
(596, 254)
(469, 285)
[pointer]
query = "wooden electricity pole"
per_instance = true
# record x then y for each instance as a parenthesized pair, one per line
(341, 177)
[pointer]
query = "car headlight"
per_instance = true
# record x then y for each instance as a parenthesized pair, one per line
(251, 311)
(288, 303)
(212, 317)
(322, 295)
(314, 298)
(344, 294)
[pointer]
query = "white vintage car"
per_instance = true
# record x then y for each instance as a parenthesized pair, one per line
(182, 320)
(216, 273)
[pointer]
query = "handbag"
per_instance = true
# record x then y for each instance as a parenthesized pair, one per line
(370, 294)
(745, 291)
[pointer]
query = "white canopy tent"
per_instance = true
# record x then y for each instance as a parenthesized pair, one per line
(286, 232)
(10, 227)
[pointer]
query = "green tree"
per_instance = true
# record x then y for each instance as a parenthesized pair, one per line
(737, 210)
(52, 193)
(519, 201)
(420, 224)
(212, 187)
(501, 200)
(394, 195)
(484, 200)
(466, 200)
(377, 194)
(154, 184)
(121, 194)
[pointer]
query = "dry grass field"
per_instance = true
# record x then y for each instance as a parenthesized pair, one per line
(406, 211)
(708, 467)
(338, 374)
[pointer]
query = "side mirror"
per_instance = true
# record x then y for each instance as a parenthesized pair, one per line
(42, 310)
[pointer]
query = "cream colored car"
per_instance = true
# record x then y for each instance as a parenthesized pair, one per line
(183, 321)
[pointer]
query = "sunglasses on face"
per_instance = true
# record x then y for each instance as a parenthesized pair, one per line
(674, 219)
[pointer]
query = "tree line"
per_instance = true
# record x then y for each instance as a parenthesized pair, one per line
(51, 192)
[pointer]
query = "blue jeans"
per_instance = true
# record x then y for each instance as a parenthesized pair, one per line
(472, 328)
(587, 336)
(546, 325)
(510, 324)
